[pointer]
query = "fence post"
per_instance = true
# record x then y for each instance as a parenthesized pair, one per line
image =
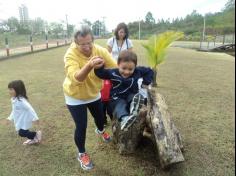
(223, 39)
(7, 47)
(46, 41)
(65, 40)
(215, 41)
(31, 44)
(201, 43)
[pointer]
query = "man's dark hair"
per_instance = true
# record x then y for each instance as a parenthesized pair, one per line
(83, 31)
(19, 88)
(119, 27)
(127, 56)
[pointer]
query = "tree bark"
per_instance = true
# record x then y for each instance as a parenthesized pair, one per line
(127, 141)
(167, 137)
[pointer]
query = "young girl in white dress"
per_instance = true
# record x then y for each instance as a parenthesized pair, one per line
(23, 114)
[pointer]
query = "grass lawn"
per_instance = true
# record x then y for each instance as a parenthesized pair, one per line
(198, 88)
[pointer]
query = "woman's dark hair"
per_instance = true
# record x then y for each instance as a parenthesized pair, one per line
(119, 27)
(127, 56)
(19, 88)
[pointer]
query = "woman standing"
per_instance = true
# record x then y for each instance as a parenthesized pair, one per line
(120, 41)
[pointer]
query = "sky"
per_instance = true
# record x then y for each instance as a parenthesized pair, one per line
(111, 11)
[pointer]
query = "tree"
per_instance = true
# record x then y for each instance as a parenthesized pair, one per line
(56, 29)
(70, 29)
(37, 26)
(229, 5)
(97, 28)
(156, 49)
(149, 18)
(13, 24)
(86, 22)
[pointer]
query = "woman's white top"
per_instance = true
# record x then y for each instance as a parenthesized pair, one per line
(113, 43)
(73, 102)
(22, 113)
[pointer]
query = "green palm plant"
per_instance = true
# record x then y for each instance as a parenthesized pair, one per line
(156, 48)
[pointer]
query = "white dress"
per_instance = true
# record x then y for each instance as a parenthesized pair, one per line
(22, 113)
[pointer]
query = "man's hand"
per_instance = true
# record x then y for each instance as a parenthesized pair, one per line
(146, 86)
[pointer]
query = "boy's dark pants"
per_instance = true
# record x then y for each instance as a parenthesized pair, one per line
(120, 106)
(106, 110)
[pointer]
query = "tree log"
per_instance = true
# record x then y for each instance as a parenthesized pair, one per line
(154, 122)
(127, 141)
(168, 140)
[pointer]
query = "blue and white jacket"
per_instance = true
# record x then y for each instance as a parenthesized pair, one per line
(122, 87)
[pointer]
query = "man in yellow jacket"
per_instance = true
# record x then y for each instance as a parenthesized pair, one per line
(82, 87)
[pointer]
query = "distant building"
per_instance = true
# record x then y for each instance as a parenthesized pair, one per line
(24, 15)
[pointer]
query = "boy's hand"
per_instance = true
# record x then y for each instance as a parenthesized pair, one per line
(96, 62)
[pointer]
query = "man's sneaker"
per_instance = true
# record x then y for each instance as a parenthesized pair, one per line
(39, 136)
(127, 121)
(136, 104)
(85, 161)
(105, 136)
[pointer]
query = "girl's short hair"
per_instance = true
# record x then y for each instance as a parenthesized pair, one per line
(19, 88)
(127, 56)
(119, 27)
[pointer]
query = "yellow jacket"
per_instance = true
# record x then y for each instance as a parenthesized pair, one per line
(74, 61)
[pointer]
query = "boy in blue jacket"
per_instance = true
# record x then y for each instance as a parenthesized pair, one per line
(125, 100)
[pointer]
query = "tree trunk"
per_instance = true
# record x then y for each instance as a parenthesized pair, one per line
(154, 82)
(127, 141)
(154, 122)
(167, 137)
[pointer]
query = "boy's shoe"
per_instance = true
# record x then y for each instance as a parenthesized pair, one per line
(39, 136)
(85, 161)
(105, 136)
(127, 121)
(136, 104)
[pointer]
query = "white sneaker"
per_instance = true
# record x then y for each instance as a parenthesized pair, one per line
(127, 121)
(30, 142)
(136, 104)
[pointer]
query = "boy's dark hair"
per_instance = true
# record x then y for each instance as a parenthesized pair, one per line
(119, 27)
(127, 56)
(83, 31)
(19, 88)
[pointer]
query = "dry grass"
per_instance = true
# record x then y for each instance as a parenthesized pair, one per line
(199, 90)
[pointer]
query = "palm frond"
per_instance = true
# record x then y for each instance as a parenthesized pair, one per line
(157, 45)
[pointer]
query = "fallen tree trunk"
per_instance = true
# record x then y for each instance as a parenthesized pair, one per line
(127, 141)
(167, 138)
(154, 122)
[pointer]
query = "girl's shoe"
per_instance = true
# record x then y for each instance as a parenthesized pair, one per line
(30, 142)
